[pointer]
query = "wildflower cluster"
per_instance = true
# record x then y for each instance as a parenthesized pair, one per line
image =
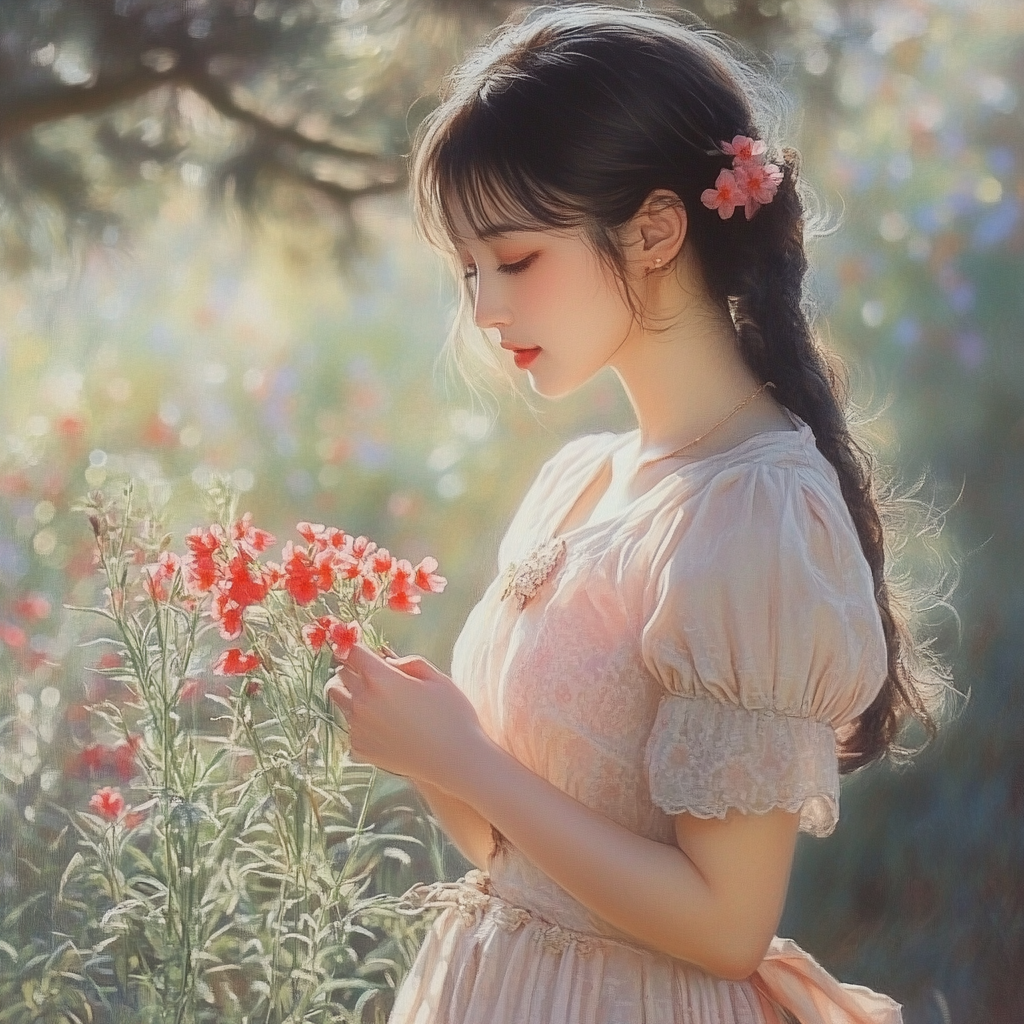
(751, 183)
(198, 812)
(224, 566)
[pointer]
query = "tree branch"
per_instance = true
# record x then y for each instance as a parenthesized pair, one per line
(24, 113)
(219, 96)
(341, 194)
(19, 114)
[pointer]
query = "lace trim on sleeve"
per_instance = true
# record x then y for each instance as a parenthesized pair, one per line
(705, 756)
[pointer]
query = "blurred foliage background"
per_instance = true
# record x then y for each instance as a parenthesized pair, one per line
(208, 264)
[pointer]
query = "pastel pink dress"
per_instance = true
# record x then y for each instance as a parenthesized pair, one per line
(694, 652)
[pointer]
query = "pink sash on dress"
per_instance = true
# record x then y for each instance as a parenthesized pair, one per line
(791, 978)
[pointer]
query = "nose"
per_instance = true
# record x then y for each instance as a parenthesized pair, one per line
(489, 306)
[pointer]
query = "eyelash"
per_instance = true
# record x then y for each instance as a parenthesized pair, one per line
(506, 268)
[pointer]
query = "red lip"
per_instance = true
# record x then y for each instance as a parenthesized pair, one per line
(523, 357)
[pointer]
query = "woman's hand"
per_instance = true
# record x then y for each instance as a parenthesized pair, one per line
(405, 716)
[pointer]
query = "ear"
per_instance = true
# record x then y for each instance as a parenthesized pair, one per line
(658, 230)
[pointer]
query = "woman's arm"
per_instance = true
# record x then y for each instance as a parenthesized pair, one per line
(470, 832)
(714, 900)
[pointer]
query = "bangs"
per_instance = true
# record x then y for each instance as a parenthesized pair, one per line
(471, 164)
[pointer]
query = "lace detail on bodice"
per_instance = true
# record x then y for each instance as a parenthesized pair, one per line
(525, 578)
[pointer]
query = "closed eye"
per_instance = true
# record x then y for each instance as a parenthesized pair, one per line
(506, 268)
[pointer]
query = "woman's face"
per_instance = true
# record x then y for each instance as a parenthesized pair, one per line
(546, 290)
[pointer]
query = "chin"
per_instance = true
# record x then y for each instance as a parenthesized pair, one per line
(553, 379)
(555, 389)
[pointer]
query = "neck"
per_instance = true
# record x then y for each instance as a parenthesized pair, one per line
(683, 381)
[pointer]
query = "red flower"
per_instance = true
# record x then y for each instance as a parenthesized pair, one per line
(228, 613)
(362, 546)
(426, 579)
(727, 194)
(160, 574)
(401, 596)
(190, 690)
(231, 622)
(250, 539)
(343, 637)
(12, 635)
(369, 589)
(241, 584)
(108, 803)
(156, 432)
(133, 818)
(305, 577)
(310, 532)
(315, 633)
(109, 660)
(334, 538)
(32, 606)
(404, 601)
(347, 565)
(252, 688)
(321, 537)
(93, 757)
(744, 149)
(70, 426)
(403, 577)
(205, 542)
(122, 757)
(328, 629)
(200, 569)
(234, 663)
(383, 561)
(244, 582)
(274, 575)
(760, 182)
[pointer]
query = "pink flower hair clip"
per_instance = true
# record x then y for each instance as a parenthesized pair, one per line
(752, 182)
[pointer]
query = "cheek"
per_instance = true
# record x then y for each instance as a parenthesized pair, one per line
(549, 294)
(573, 291)
(575, 299)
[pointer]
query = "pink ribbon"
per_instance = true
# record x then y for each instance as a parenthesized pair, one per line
(791, 978)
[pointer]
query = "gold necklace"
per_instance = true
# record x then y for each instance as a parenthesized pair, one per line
(679, 451)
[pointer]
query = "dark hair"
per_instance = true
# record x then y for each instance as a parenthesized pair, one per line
(572, 116)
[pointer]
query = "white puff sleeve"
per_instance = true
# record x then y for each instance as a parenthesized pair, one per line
(761, 625)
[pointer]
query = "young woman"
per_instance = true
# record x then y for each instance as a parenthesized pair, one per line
(691, 635)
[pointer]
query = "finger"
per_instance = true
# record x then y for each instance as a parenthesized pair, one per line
(337, 692)
(413, 665)
(402, 664)
(362, 653)
(348, 671)
(361, 660)
(367, 664)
